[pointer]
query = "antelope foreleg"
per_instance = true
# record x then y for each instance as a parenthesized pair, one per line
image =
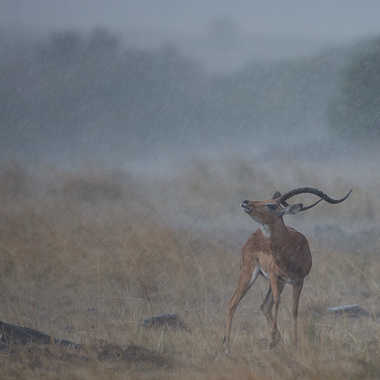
(267, 305)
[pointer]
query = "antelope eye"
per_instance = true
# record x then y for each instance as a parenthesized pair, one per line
(272, 207)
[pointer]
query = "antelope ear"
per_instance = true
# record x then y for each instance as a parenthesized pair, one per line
(276, 195)
(292, 209)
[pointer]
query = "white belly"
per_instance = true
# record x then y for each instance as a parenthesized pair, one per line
(266, 275)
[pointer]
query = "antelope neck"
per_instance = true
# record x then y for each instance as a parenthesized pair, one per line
(265, 230)
(275, 230)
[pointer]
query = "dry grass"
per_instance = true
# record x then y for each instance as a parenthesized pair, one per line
(87, 255)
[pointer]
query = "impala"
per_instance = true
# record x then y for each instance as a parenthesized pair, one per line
(277, 252)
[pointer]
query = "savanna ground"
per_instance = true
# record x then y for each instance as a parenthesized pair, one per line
(87, 254)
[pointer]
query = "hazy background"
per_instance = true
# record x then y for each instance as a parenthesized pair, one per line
(130, 132)
(222, 34)
(128, 80)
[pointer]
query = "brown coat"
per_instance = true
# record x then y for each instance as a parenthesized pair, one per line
(290, 260)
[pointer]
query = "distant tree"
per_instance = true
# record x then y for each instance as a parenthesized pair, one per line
(355, 111)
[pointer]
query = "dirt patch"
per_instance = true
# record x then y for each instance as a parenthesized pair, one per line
(133, 354)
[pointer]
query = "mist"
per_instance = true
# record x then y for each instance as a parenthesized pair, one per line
(184, 125)
(74, 95)
(131, 82)
(129, 137)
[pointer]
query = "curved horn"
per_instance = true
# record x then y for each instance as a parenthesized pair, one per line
(310, 206)
(312, 190)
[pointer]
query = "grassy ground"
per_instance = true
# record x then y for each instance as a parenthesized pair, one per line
(86, 255)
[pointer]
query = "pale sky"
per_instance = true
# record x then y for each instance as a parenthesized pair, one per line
(251, 27)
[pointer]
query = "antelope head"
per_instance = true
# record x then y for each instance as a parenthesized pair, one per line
(269, 211)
